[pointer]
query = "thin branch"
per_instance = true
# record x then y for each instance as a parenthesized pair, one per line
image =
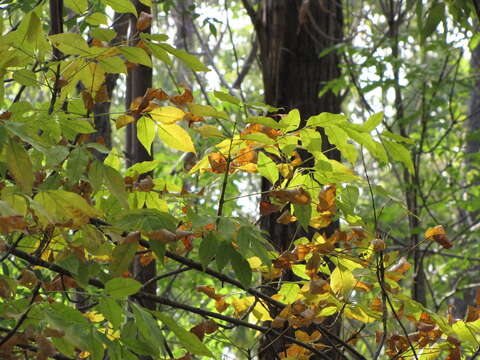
(246, 65)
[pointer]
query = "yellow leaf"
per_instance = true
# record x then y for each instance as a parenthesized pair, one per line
(175, 137)
(167, 114)
(94, 316)
(342, 281)
(59, 206)
(254, 262)
(209, 131)
(357, 313)
(123, 120)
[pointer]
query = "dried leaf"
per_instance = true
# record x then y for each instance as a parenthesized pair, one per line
(438, 234)
(144, 21)
(296, 196)
(183, 99)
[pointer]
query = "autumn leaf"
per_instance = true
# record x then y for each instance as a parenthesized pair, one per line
(296, 196)
(438, 234)
(144, 21)
(175, 137)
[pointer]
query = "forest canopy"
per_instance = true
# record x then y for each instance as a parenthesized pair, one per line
(239, 179)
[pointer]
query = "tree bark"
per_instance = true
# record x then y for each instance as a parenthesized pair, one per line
(291, 36)
(139, 79)
(472, 147)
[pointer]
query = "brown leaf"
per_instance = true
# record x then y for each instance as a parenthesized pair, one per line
(319, 286)
(28, 279)
(87, 100)
(162, 235)
(123, 120)
(296, 196)
(12, 223)
(183, 99)
(286, 218)
(146, 184)
(209, 291)
(438, 234)
(144, 21)
(218, 163)
(101, 96)
(326, 199)
(221, 305)
(267, 208)
(378, 245)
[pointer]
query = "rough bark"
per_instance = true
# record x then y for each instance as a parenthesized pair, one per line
(291, 36)
(472, 147)
(139, 79)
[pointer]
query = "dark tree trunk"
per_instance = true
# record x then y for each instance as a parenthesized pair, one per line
(139, 79)
(291, 36)
(101, 111)
(472, 147)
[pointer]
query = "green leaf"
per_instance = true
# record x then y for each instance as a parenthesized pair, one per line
(223, 96)
(71, 321)
(121, 6)
(189, 60)
(373, 121)
(159, 249)
(267, 168)
(122, 257)
(175, 137)
(327, 119)
(25, 77)
(208, 248)
(186, 338)
(396, 137)
(223, 255)
(435, 15)
(289, 291)
(136, 55)
(158, 51)
(399, 153)
(76, 165)
(115, 183)
(146, 220)
(79, 6)
(206, 110)
(242, 268)
(96, 19)
(103, 34)
(20, 165)
(71, 44)
(113, 65)
(303, 214)
(259, 137)
(112, 311)
(146, 131)
(72, 127)
(142, 167)
(338, 137)
(148, 327)
(291, 121)
(120, 287)
(264, 120)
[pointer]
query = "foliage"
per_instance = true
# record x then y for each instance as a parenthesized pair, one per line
(72, 222)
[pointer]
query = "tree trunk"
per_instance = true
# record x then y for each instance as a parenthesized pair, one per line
(139, 79)
(291, 35)
(472, 147)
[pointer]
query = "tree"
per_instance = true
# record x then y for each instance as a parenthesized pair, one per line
(73, 222)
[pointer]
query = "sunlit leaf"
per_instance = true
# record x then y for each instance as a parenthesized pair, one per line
(175, 137)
